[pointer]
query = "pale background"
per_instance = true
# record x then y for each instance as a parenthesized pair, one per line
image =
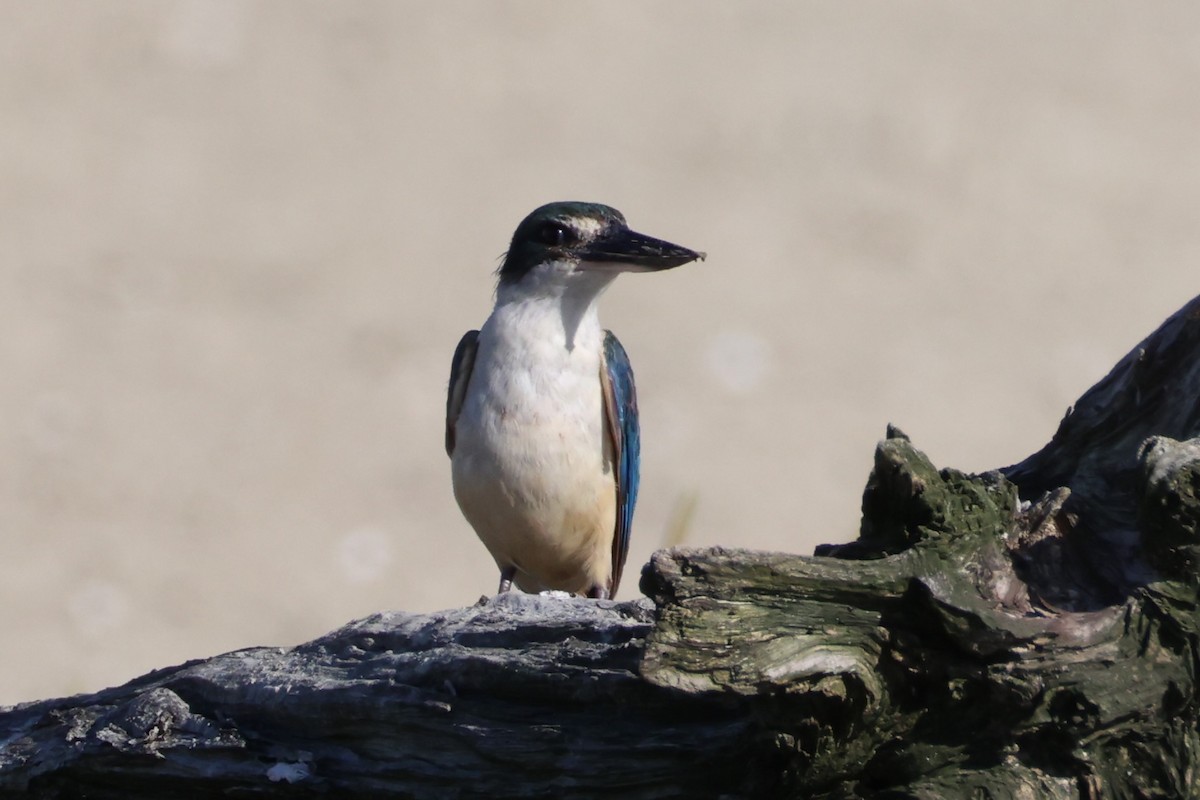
(239, 242)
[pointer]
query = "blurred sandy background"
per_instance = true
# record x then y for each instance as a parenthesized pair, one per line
(239, 241)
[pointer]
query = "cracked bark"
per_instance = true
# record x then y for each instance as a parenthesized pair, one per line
(1023, 633)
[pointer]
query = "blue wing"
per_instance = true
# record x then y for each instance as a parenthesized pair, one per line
(460, 374)
(621, 416)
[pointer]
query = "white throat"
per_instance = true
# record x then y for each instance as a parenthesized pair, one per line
(560, 298)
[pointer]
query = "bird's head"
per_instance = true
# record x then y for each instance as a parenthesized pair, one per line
(572, 242)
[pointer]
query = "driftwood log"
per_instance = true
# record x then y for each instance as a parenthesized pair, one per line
(1025, 633)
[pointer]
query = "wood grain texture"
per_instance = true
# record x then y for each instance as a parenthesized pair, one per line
(1031, 632)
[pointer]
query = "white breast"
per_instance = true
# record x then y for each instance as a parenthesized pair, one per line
(532, 464)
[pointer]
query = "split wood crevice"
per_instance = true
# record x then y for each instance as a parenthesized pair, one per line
(1025, 633)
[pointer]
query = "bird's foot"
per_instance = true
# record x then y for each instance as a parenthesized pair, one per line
(598, 592)
(506, 578)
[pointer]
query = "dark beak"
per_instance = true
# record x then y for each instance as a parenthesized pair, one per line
(636, 252)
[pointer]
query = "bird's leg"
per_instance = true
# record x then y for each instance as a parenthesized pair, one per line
(506, 579)
(598, 592)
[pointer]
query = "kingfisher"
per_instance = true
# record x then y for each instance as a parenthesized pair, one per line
(541, 411)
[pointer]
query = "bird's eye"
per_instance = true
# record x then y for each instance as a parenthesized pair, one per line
(556, 234)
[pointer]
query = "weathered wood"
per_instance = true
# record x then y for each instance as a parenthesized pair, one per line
(1025, 633)
(519, 696)
(1153, 391)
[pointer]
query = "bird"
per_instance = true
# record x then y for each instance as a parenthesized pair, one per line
(541, 409)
